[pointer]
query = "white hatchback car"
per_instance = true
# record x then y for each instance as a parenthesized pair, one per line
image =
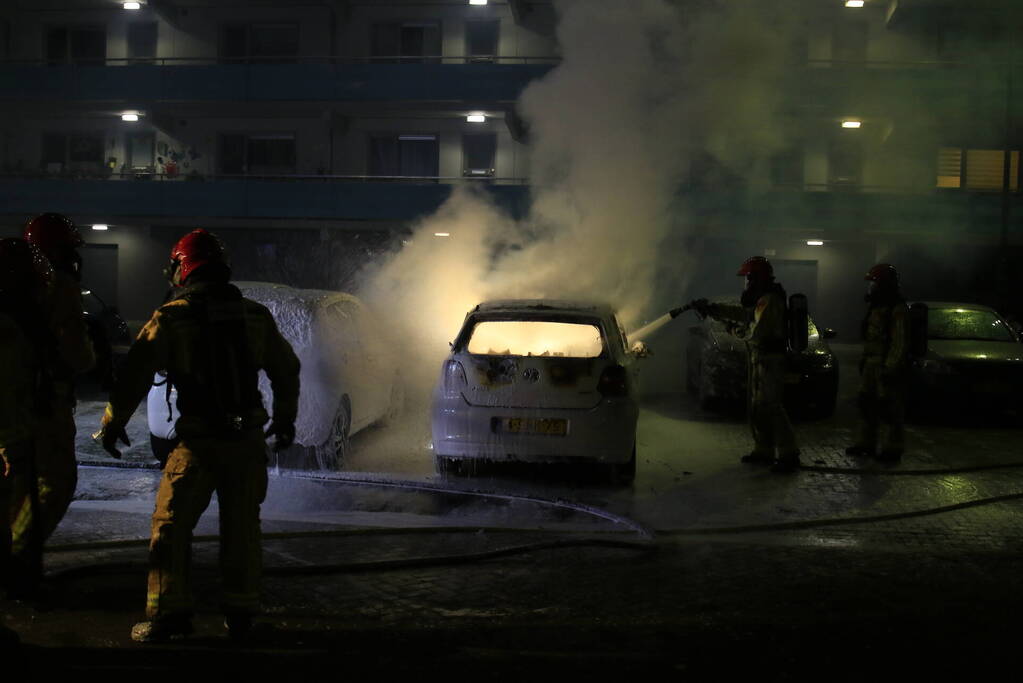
(538, 381)
(349, 378)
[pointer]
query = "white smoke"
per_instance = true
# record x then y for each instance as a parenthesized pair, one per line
(645, 87)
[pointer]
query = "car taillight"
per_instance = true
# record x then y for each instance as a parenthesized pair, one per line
(613, 381)
(453, 378)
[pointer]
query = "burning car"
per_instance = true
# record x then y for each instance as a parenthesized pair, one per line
(541, 382)
(349, 377)
(974, 357)
(716, 370)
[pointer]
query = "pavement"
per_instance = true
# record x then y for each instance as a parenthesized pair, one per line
(702, 567)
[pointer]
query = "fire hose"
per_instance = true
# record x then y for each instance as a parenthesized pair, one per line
(648, 542)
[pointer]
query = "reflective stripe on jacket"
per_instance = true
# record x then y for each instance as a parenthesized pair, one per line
(174, 341)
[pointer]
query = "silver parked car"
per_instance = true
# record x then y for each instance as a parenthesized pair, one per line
(349, 378)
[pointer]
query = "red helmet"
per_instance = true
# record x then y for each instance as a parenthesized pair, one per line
(198, 248)
(53, 233)
(883, 273)
(22, 266)
(758, 267)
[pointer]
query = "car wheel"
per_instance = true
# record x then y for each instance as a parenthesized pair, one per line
(624, 473)
(331, 454)
(447, 466)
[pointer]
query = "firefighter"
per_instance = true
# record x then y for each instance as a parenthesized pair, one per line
(212, 343)
(883, 366)
(760, 321)
(57, 238)
(24, 277)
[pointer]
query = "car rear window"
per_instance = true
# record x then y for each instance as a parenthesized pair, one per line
(535, 338)
(963, 323)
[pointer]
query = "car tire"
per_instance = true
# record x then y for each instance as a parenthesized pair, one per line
(447, 467)
(624, 473)
(331, 454)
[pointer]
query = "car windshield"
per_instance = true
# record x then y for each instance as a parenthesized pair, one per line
(962, 323)
(536, 338)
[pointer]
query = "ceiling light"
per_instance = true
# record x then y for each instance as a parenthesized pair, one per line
(852, 123)
(442, 234)
(854, 3)
(476, 118)
(814, 243)
(132, 5)
(129, 116)
(477, 2)
(100, 226)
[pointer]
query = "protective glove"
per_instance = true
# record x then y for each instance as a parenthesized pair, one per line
(108, 435)
(701, 306)
(284, 435)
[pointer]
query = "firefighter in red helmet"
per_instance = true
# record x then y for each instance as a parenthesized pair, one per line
(211, 343)
(760, 321)
(883, 367)
(57, 238)
(25, 335)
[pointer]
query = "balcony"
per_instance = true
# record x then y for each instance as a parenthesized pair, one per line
(828, 211)
(356, 198)
(324, 79)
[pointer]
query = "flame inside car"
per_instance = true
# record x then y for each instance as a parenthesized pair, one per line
(540, 338)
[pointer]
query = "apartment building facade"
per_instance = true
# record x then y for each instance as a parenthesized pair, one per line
(332, 125)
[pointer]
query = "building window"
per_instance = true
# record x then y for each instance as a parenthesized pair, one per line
(54, 152)
(849, 41)
(980, 170)
(845, 161)
(76, 44)
(257, 154)
(141, 151)
(787, 166)
(76, 151)
(409, 155)
(142, 37)
(478, 154)
(262, 42)
(481, 40)
(410, 41)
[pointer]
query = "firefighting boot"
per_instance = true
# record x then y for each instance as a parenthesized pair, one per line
(757, 458)
(889, 455)
(162, 630)
(786, 463)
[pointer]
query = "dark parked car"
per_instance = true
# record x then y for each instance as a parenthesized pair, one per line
(110, 336)
(716, 371)
(974, 358)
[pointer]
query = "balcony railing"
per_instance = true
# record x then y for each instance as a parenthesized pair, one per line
(292, 59)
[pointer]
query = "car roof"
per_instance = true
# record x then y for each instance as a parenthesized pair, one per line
(958, 304)
(554, 306)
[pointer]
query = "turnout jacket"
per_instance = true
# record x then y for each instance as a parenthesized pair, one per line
(886, 335)
(206, 334)
(75, 353)
(17, 379)
(764, 332)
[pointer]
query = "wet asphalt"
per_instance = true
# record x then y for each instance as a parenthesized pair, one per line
(702, 567)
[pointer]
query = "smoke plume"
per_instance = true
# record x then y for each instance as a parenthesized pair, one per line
(651, 98)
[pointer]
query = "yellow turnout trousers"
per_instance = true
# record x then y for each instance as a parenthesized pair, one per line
(768, 418)
(236, 470)
(56, 476)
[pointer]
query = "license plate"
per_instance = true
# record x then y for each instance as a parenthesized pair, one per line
(529, 425)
